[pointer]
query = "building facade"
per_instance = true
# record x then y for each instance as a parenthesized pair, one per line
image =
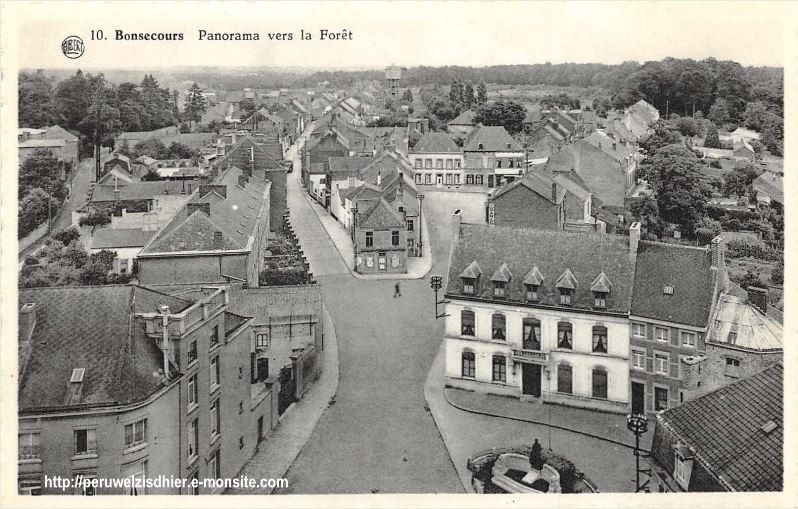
(491, 157)
(437, 161)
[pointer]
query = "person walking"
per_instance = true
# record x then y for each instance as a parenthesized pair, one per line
(396, 291)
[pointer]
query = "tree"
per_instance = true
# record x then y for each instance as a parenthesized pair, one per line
(687, 126)
(662, 136)
(602, 106)
(738, 182)
(72, 99)
(719, 112)
(152, 147)
(33, 211)
(508, 114)
(196, 104)
(468, 96)
(712, 139)
(67, 235)
(755, 115)
(456, 94)
(41, 170)
(36, 100)
(248, 108)
(180, 151)
(561, 100)
(95, 218)
(482, 93)
(646, 212)
(407, 96)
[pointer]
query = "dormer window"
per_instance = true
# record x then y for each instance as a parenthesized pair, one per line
(565, 296)
(468, 285)
(667, 290)
(682, 465)
(566, 284)
(501, 279)
(532, 292)
(499, 289)
(469, 277)
(599, 299)
(601, 287)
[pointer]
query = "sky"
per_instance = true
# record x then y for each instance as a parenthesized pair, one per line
(404, 33)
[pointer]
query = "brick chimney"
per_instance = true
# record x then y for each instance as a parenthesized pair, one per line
(716, 247)
(204, 207)
(634, 237)
(27, 321)
(217, 240)
(758, 297)
(379, 178)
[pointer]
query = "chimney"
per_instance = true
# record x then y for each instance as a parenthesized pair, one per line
(379, 177)
(554, 192)
(242, 181)
(193, 207)
(758, 297)
(165, 340)
(634, 237)
(400, 191)
(217, 239)
(716, 247)
(27, 321)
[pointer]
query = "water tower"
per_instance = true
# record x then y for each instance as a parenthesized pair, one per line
(392, 76)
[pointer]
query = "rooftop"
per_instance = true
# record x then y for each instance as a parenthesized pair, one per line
(491, 139)
(464, 118)
(134, 191)
(36, 143)
(740, 324)
(109, 238)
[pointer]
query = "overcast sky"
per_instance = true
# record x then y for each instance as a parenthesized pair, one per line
(406, 33)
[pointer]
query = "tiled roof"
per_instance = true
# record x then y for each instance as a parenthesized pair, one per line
(724, 429)
(386, 165)
(109, 238)
(144, 190)
(56, 131)
(265, 302)
(464, 118)
(771, 184)
(348, 164)
(436, 143)
(381, 215)
(687, 269)
(751, 328)
(492, 138)
(573, 183)
(192, 140)
(584, 255)
(91, 328)
(605, 143)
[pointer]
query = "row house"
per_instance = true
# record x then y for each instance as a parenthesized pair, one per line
(491, 156)
(608, 166)
(639, 118)
(437, 160)
(123, 382)
(315, 157)
(541, 315)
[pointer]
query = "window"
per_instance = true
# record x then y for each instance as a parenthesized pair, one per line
(600, 339)
(369, 261)
(192, 351)
(499, 327)
(599, 383)
(469, 179)
(599, 299)
(565, 335)
(468, 365)
(30, 487)
(418, 178)
(457, 164)
(448, 178)
(639, 330)
(137, 472)
(439, 163)
(428, 178)
(565, 375)
(457, 176)
(498, 288)
(85, 488)
(29, 445)
(383, 262)
(467, 322)
(499, 368)
(565, 296)
(262, 339)
(688, 338)
(192, 392)
(136, 433)
(428, 163)
(85, 441)
(468, 285)
(662, 334)
(660, 398)
(531, 334)
(213, 466)
(214, 336)
(498, 163)
(479, 180)
(639, 359)
(532, 292)
(732, 367)
(394, 238)
(193, 439)
(661, 363)
(681, 471)
(410, 225)
(419, 162)
(214, 374)
(449, 164)
(215, 419)
(369, 239)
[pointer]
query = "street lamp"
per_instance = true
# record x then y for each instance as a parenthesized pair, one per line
(638, 424)
(420, 223)
(436, 282)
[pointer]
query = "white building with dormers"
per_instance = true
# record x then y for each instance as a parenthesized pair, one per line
(542, 315)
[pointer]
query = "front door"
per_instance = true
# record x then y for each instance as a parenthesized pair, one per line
(638, 398)
(530, 379)
(439, 179)
(490, 180)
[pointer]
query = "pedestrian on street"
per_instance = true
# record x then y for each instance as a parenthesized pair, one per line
(396, 291)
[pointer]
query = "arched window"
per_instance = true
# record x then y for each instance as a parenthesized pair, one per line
(600, 339)
(565, 376)
(499, 368)
(469, 364)
(499, 327)
(565, 335)
(599, 383)
(467, 322)
(531, 334)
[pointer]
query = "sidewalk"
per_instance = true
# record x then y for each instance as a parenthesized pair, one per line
(603, 426)
(417, 267)
(275, 455)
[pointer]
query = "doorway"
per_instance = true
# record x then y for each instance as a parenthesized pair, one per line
(638, 398)
(530, 380)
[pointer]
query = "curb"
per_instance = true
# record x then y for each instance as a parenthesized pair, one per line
(540, 423)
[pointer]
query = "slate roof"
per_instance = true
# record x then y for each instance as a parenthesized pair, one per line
(380, 216)
(536, 182)
(753, 330)
(771, 184)
(585, 255)
(144, 190)
(464, 118)
(91, 328)
(109, 238)
(687, 269)
(724, 431)
(605, 143)
(58, 132)
(492, 138)
(191, 140)
(41, 143)
(348, 164)
(436, 143)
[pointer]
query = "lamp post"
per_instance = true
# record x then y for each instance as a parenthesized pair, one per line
(638, 424)
(436, 282)
(420, 223)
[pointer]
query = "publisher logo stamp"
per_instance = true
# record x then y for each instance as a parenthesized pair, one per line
(72, 47)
